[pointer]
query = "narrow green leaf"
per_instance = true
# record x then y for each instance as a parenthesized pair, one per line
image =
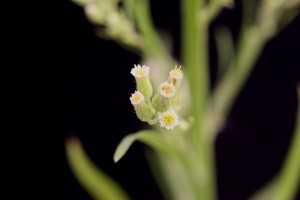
(124, 146)
(158, 141)
(96, 182)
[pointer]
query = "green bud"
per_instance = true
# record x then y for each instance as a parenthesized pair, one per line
(164, 100)
(141, 74)
(175, 78)
(143, 111)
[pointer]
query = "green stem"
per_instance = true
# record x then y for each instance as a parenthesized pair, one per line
(194, 56)
(153, 45)
(195, 59)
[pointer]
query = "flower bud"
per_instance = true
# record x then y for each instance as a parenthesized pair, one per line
(164, 100)
(141, 74)
(143, 111)
(175, 78)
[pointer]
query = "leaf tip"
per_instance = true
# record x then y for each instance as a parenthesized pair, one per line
(72, 141)
(117, 157)
(72, 144)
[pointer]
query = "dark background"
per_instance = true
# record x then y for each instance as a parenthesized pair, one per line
(88, 84)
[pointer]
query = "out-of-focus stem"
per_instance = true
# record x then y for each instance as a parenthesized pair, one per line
(194, 56)
(195, 59)
(153, 45)
(254, 35)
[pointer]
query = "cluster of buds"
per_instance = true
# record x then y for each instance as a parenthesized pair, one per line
(163, 105)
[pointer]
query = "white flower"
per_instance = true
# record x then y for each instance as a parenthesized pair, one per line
(176, 73)
(168, 119)
(140, 71)
(167, 90)
(137, 98)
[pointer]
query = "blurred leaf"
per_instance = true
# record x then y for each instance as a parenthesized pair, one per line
(286, 184)
(95, 181)
(267, 192)
(250, 8)
(152, 138)
(289, 177)
(225, 48)
(287, 17)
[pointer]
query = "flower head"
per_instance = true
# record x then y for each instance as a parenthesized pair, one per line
(137, 98)
(140, 71)
(176, 73)
(167, 90)
(143, 83)
(168, 119)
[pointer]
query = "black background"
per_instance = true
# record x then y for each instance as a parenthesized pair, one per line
(85, 93)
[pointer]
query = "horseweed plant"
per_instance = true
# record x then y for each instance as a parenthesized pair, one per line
(183, 131)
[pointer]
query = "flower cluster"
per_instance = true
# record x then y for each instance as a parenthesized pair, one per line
(161, 106)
